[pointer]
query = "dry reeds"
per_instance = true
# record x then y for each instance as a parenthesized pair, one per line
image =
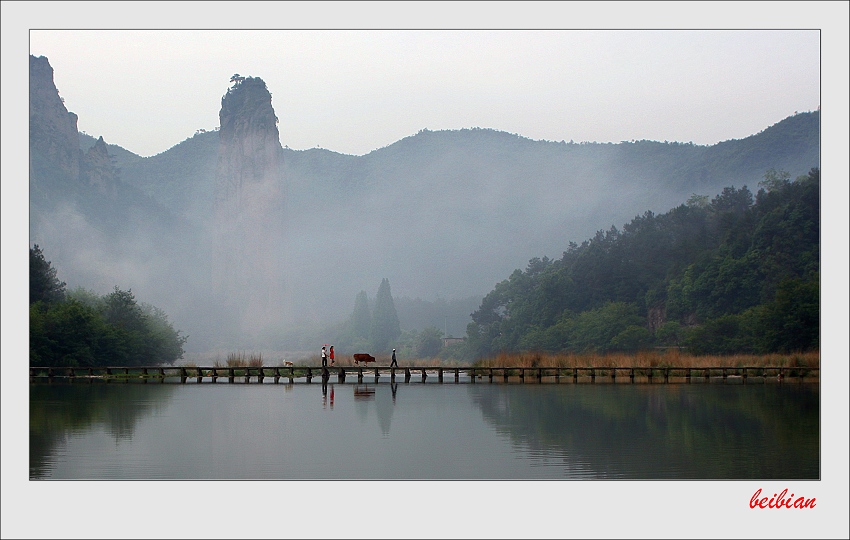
(244, 360)
(668, 358)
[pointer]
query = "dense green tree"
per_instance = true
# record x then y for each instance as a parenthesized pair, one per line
(82, 329)
(121, 310)
(669, 334)
(163, 344)
(67, 334)
(610, 327)
(429, 342)
(791, 322)
(44, 285)
(385, 327)
(774, 180)
(632, 338)
(726, 334)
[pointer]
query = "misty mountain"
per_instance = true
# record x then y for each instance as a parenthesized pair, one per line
(440, 214)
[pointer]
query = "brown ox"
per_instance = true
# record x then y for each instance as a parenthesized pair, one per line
(365, 358)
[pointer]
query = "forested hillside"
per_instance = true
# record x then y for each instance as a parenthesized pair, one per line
(735, 274)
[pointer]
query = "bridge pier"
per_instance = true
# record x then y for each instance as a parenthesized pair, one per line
(123, 374)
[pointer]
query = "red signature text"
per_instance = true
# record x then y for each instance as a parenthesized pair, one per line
(780, 501)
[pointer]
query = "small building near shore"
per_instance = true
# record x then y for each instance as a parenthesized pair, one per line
(452, 340)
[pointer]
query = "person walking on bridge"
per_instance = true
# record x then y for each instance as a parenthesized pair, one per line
(393, 363)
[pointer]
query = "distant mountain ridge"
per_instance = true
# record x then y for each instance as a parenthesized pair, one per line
(446, 159)
(441, 214)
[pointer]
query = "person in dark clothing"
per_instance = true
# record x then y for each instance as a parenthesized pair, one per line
(394, 363)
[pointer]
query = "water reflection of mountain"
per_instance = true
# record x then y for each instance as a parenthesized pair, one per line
(664, 431)
(57, 410)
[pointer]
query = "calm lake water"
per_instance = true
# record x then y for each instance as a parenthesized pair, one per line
(412, 431)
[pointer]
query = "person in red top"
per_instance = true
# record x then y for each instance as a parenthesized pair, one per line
(332, 355)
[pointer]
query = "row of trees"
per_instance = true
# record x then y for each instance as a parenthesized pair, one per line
(81, 328)
(368, 329)
(378, 330)
(734, 274)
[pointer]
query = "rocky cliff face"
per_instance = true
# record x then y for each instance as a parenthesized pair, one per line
(98, 169)
(60, 173)
(247, 267)
(53, 130)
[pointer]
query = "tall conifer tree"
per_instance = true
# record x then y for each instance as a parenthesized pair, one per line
(385, 324)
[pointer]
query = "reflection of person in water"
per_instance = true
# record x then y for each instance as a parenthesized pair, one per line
(324, 392)
(332, 397)
(394, 387)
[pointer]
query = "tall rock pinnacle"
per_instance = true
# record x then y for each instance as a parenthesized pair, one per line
(247, 269)
(53, 130)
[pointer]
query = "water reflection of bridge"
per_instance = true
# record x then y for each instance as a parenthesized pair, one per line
(467, 374)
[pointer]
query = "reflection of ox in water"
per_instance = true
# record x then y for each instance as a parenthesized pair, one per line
(364, 358)
(363, 392)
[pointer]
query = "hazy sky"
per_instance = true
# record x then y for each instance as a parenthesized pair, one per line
(353, 91)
